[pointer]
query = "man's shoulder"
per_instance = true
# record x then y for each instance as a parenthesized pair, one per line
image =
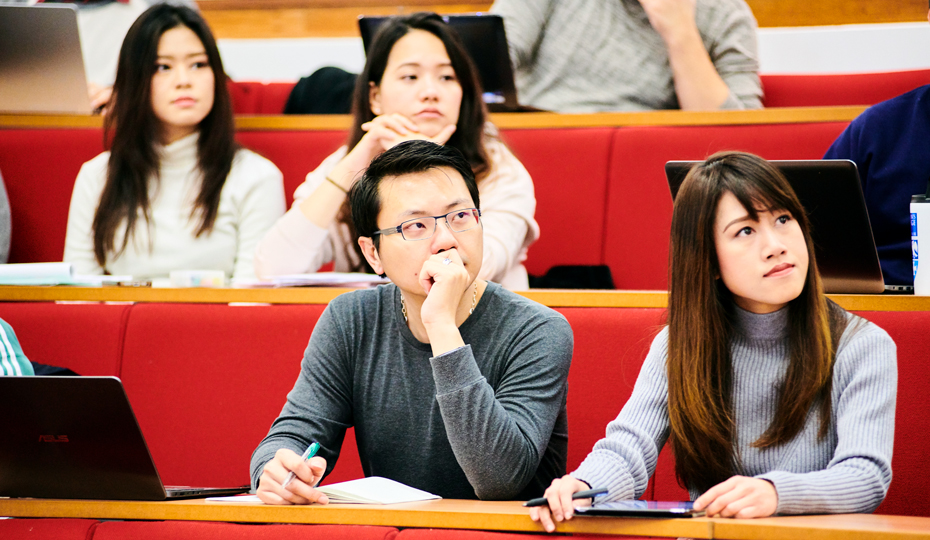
(363, 300)
(897, 108)
(517, 309)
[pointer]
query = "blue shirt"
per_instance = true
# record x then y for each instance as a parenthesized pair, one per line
(890, 143)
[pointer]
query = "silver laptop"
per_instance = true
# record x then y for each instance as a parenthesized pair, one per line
(41, 67)
(486, 42)
(830, 191)
(77, 438)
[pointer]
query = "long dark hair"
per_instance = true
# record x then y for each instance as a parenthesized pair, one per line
(469, 133)
(700, 320)
(133, 132)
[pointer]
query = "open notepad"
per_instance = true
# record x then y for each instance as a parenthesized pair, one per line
(371, 490)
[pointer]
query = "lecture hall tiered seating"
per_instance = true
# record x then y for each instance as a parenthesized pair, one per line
(206, 380)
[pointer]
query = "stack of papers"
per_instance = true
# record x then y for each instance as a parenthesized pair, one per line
(51, 274)
(319, 279)
(374, 490)
(371, 490)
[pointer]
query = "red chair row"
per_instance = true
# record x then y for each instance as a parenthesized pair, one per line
(601, 193)
(206, 380)
(781, 90)
(87, 529)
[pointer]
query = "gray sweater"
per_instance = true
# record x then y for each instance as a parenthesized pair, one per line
(848, 471)
(486, 421)
(582, 56)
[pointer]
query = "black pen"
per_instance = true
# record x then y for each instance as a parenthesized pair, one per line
(586, 494)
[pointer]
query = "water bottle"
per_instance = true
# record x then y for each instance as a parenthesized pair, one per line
(920, 238)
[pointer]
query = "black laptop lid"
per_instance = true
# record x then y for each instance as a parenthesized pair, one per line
(486, 42)
(831, 193)
(72, 438)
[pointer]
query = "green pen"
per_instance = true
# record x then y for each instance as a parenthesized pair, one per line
(309, 453)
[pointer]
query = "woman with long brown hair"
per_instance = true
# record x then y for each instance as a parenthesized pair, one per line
(418, 83)
(175, 191)
(773, 398)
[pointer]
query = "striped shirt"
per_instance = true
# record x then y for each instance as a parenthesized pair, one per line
(12, 359)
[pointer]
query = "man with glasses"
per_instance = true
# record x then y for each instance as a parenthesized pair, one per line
(454, 385)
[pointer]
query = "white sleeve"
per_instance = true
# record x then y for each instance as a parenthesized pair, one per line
(259, 205)
(79, 236)
(294, 245)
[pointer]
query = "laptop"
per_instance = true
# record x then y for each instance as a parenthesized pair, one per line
(77, 438)
(647, 509)
(484, 39)
(831, 193)
(41, 67)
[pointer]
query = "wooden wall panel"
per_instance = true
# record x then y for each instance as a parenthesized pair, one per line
(336, 18)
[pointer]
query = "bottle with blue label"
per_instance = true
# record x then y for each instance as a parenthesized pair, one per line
(920, 237)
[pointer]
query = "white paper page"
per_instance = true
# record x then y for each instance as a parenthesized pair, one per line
(374, 490)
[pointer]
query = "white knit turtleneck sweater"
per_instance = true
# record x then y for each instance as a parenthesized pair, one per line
(251, 201)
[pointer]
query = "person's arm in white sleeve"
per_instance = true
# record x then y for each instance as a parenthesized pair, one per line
(79, 234)
(259, 206)
(508, 207)
(295, 244)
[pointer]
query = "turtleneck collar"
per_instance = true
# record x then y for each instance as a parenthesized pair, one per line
(756, 326)
(181, 154)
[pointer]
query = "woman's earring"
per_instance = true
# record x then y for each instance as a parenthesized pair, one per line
(376, 110)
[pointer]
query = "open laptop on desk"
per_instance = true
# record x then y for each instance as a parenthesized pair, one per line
(831, 193)
(41, 67)
(77, 438)
(484, 38)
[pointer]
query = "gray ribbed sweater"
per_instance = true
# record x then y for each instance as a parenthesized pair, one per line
(580, 56)
(848, 471)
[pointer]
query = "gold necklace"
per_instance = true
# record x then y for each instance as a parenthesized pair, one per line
(474, 302)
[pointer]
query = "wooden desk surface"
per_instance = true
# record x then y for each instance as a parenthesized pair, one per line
(482, 515)
(322, 295)
(335, 122)
(443, 514)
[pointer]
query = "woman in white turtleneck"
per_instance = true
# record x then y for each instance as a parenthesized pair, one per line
(174, 192)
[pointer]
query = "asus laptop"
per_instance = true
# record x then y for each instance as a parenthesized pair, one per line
(77, 438)
(484, 39)
(831, 193)
(41, 67)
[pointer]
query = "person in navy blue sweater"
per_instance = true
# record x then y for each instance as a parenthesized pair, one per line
(890, 143)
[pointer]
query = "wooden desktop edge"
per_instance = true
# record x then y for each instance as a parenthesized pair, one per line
(481, 515)
(780, 115)
(323, 295)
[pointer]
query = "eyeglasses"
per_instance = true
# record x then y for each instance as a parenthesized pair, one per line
(424, 227)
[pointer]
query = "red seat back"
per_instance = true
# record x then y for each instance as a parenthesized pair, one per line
(839, 88)
(198, 530)
(48, 529)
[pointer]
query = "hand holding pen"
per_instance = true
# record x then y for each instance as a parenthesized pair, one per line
(559, 501)
(290, 478)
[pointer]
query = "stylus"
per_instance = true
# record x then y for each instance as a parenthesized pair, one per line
(308, 453)
(586, 494)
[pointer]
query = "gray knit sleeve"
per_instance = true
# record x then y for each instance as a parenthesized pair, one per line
(729, 34)
(624, 460)
(524, 24)
(857, 477)
(499, 435)
(319, 408)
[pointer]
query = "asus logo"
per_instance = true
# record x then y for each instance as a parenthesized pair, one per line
(53, 438)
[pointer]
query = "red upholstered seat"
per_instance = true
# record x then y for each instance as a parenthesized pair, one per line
(569, 170)
(275, 97)
(86, 338)
(639, 205)
(48, 529)
(39, 167)
(908, 492)
(247, 97)
(296, 153)
(839, 88)
(207, 381)
(610, 346)
(196, 530)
